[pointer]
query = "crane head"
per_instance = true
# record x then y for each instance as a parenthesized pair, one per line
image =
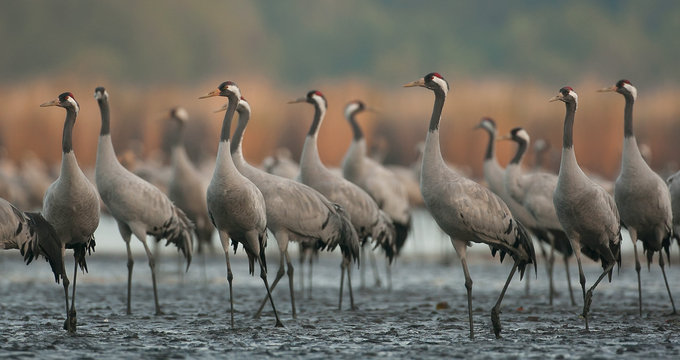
(519, 135)
(243, 105)
(65, 100)
(226, 89)
(487, 124)
(432, 81)
(100, 94)
(354, 107)
(180, 114)
(314, 97)
(623, 87)
(566, 95)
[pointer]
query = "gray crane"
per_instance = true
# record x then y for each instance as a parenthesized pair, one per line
(71, 204)
(367, 218)
(138, 207)
(235, 204)
(534, 191)
(187, 188)
(585, 209)
(467, 211)
(376, 180)
(316, 222)
(641, 195)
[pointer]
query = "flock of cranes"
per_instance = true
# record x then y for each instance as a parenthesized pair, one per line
(319, 209)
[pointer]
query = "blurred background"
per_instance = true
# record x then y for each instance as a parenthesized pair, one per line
(502, 59)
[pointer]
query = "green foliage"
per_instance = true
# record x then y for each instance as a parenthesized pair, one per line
(301, 41)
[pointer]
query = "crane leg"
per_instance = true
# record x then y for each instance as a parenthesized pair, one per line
(495, 311)
(362, 270)
(301, 270)
(461, 250)
(342, 282)
(290, 283)
(551, 267)
(349, 284)
(72, 312)
(279, 275)
(263, 275)
(65, 283)
(527, 282)
(388, 271)
(571, 291)
(311, 258)
(126, 233)
(152, 266)
(589, 295)
(224, 238)
(633, 237)
(582, 278)
(663, 271)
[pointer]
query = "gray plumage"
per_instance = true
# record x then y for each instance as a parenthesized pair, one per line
(138, 207)
(367, 218)
(642, 196)
(236, 205)
(586, 211)
(379, 182)
(465, 210)
(534, 191)
(71, 204)
(187, 188)
(295, 212)
(32, 235)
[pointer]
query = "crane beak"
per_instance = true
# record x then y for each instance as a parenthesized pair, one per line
(504, 137)
(298, 100)
(607, 89)
(373, 110)
(419, 82)
(223, 108)
(215, 92)
(556, 98)
(54, 102)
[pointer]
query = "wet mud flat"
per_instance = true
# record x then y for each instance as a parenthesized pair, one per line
(424, 316)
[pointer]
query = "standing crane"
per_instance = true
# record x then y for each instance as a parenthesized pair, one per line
(376, 180)
(71, 204)
(467, 211)
(367, 218)
(585, 209)
(236, 206)
(642, 197)
(138, 207)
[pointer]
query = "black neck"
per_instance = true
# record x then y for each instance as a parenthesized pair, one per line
(104, 110)
(228, 116)
(439, 97)
(521, 149)
(314, 129)
(67, 137)
(491, 145)
(356, 129)
(568, 136)
(628, 116)
(243, 117)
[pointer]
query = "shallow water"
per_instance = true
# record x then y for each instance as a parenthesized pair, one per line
(404, 322)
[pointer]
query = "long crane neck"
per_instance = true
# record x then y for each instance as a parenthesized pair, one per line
(491, 146)
(568, 136)
(521, 149)
(439, 98)
(104, 111)
(67, 136)
(228, 116)
(177, 135)
(236, 145)
(356, 129)
(433, 162)
(628, 116)
(319, 114)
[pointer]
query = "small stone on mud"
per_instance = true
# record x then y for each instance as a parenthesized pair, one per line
(443, 305)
